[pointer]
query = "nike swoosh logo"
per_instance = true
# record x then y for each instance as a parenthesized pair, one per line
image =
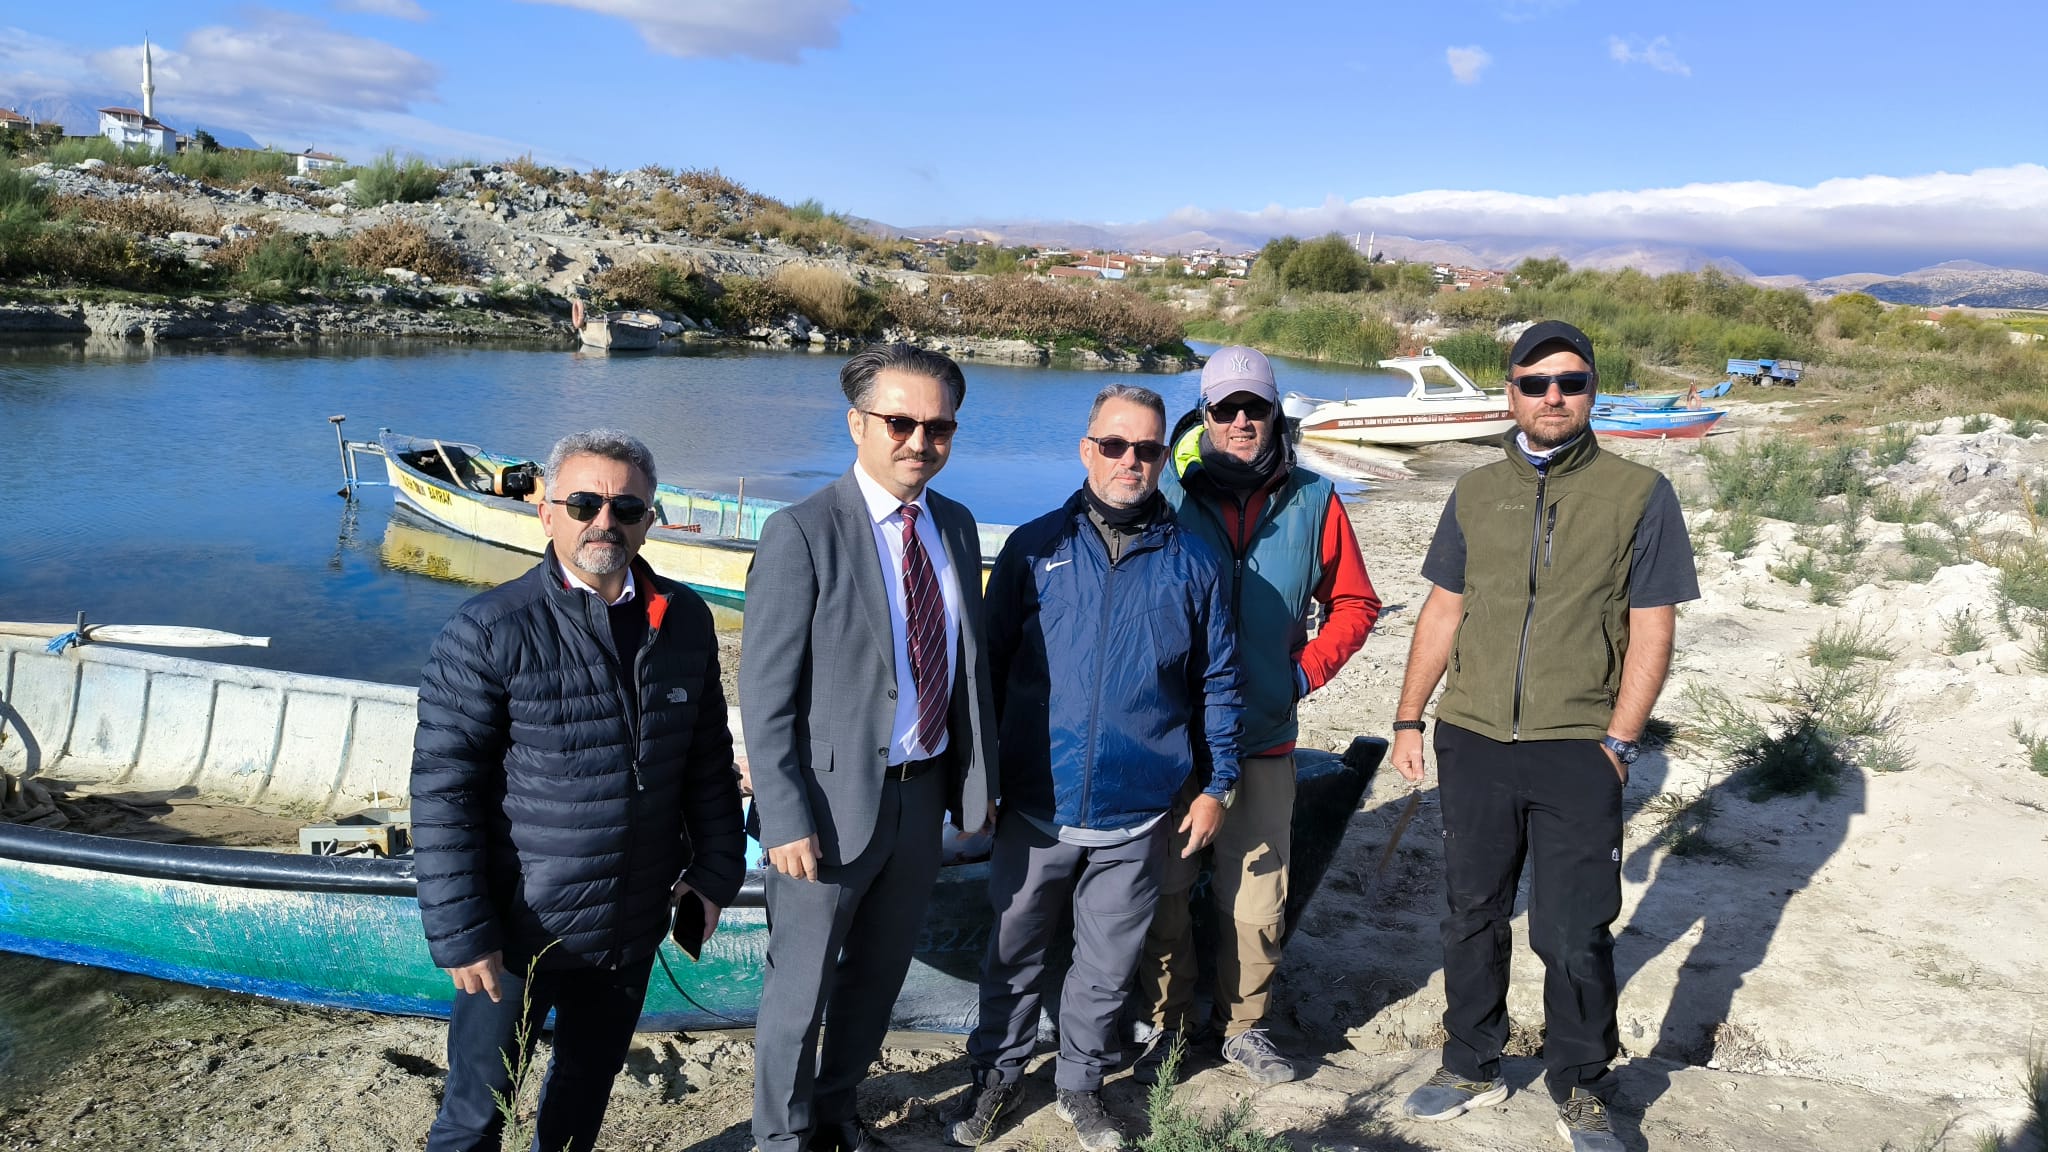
(1052, 564)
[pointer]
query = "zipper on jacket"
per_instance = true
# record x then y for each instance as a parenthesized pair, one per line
(1537, 541)
(1549, 533)
(1095, 698)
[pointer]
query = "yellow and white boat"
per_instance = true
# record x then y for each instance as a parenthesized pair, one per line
(704, 539)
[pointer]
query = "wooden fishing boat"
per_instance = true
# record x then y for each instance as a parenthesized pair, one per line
(704, 539)
(144, 731)
(1645, 400)
(617, 331)
(1649, 424)
(1441, 405)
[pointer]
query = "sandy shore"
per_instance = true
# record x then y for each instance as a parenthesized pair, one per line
(1846, 974)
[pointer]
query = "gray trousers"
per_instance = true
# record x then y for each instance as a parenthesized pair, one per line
(838, 949)
(1032, 879)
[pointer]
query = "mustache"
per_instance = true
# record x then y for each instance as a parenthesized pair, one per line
(600, 536)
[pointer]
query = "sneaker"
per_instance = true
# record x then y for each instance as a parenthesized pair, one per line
(1253, 1051)
(1097, 1131)
(1446, 1095)
(971, 1119)
(1582, 1121)
(1149, 1063)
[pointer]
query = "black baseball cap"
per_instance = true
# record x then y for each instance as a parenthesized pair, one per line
(1536, 342)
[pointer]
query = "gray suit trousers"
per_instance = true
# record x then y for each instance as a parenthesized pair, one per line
(838, 949)
(1033, 878)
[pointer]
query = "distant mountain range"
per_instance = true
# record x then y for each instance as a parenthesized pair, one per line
(83, 120)
(1953, 283)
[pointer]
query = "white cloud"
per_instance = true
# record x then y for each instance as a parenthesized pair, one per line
(1657, 54)
(777, 31)
(1991, 213)
(396, 9)
(1467, 63)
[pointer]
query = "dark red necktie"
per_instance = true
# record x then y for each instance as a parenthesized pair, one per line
(925, 614)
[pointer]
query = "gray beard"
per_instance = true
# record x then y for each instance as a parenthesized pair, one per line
(602, 558)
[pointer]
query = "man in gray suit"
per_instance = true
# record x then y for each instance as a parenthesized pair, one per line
(865, 696)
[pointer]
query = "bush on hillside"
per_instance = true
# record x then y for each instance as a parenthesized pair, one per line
(284, 262)
(663, 284)
(141, 215)
(404, 244)
(386, 181)
(832, 301)
(751, 302)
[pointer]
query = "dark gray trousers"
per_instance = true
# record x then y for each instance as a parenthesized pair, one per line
(838, 949)
(1032, 878)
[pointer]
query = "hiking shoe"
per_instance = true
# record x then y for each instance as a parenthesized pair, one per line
(1097, 1131)
(1253, 1051)
(1446, 1095)
(1146, 1069)
(1582, 1121)
(971, 1118)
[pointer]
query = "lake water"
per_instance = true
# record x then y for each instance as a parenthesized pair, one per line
(198, 486)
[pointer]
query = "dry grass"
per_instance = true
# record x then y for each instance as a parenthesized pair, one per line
(832, 301)
(539, 175)
(663, 283)
(403, 244)
(140, 215)
(696, 217)
(1013, 306)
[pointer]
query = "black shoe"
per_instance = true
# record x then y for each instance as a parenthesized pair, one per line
(971, 1118)
(1094, 1127)
(844, 1136)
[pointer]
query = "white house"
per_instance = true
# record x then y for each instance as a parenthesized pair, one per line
(310, 162)
(129, 128)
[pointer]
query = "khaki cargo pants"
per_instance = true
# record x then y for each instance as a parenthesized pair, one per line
(1249, 884)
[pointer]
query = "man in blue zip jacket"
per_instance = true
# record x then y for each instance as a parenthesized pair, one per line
(1116, 679)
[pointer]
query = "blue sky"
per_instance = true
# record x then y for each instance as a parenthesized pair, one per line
(1584, 119)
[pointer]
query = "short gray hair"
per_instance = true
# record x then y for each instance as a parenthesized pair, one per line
(609, 443)
(1130, 394)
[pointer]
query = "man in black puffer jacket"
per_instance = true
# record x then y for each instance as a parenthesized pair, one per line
(572, 780)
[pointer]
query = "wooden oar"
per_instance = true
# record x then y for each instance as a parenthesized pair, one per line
(153, 635)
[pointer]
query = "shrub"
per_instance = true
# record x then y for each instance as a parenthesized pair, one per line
(1327, 264)
(752, 302)
(1738, 532)
(1822, 584)
(1838, 646)
(141, 215)
(284, 262)
(387, 181)
(1961, 633)
(663, 283)
(537, 174)
(831, 301)
(2023, 576)
(673, 213)
(404, 244)
(236, 168)
(1024, 308)
(1477, 354)
(1893, 508)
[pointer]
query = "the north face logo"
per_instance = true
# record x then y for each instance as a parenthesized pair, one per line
(678, 695)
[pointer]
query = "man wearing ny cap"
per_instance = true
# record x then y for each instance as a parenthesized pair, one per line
(1287, 547)
(1557, 572)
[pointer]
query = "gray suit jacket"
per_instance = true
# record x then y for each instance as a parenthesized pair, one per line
(818, 674)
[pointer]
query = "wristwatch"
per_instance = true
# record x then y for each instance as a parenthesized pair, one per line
(1411, 725)
(1229, 796)
(1625, 751)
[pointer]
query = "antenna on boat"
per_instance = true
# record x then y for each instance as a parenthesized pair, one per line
(348, 478)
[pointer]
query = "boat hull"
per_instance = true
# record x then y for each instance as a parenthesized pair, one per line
(1411, 429)
(1691, 425)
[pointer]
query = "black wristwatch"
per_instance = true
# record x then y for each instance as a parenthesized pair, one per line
(1625, 751)
(1411, 725)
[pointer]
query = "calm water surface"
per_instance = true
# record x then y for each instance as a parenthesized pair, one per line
(197, 487)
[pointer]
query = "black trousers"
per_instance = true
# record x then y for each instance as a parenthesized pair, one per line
(1556, 804)
(595, 1011)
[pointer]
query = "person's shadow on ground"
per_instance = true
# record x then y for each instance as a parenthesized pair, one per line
(1733, 870)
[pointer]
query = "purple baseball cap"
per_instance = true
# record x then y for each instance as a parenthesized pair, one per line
(1238, 369)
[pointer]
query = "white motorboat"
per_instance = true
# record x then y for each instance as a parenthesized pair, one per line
(1441, 405)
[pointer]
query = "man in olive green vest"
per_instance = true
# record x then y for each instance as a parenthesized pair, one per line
(1557, 572)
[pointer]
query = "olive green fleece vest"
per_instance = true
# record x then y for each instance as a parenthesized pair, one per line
(1539, 649)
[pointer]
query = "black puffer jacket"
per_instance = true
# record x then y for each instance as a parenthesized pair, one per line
(544, 807)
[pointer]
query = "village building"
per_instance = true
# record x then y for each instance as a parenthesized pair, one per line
(311, 162)
(139, 128)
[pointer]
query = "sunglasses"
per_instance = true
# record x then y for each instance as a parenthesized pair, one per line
(626, 508)
(1114, 447)
(900, 427)
(1568, 383)
(1225, 411)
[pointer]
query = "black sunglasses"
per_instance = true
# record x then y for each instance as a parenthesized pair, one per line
(626, 508)
(1568, 383)
(1225, 411)
(1114, 447)
(900, 427)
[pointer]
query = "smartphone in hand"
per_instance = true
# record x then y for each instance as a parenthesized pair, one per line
(687, 929)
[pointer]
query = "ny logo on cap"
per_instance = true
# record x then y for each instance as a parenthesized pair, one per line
(1244, 363)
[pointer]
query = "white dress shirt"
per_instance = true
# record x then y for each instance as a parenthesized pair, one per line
(575, 581)
(885, 515)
